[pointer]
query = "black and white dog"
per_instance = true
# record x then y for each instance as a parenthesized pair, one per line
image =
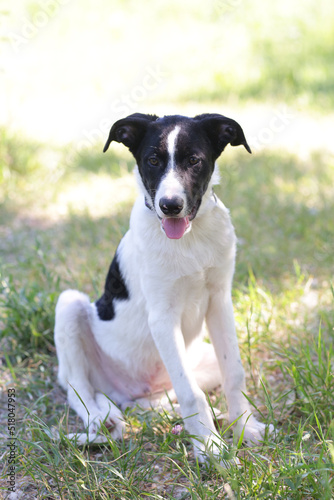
(172, 273)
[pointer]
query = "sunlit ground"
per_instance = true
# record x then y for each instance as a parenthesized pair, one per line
(69, 68)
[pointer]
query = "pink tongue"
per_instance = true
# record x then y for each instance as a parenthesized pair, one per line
(175, 228)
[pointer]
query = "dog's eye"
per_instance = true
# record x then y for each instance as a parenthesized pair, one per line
(153, 160)
(193, 160)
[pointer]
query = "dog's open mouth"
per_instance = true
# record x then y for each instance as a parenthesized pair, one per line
(175, 227)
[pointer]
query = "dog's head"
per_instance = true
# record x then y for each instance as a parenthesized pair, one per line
(176, 157)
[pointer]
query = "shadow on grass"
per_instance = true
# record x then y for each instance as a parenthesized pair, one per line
(281, 207)
(282, 210)
(39, 263)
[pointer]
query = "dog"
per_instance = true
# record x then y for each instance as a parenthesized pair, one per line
(142, 341)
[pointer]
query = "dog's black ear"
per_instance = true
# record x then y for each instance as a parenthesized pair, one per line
(130, 131)
(222, 131)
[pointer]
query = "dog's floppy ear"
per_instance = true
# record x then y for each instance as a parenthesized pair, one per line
(130, 131)
(222, 131)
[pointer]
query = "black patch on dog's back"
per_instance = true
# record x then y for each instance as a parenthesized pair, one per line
(115, 288)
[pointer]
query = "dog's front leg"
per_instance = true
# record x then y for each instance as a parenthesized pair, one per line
(195, 410)
(220, 321)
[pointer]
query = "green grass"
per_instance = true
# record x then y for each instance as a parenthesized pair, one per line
(282, 209)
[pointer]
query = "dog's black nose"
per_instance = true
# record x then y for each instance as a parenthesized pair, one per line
(171, 206)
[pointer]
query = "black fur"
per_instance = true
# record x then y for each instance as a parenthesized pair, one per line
(200, 142)
(115, 289)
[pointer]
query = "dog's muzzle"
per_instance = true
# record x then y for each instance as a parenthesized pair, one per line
(172, 223)
(171, 206)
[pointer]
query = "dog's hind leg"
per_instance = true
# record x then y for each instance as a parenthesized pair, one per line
(75, 350)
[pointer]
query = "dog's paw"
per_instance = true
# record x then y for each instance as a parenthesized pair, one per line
(214, 450)
(109, 415)
(82, 438)
(254, 431)
(114, 424)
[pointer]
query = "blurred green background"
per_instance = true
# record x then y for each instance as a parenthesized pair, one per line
(70, 68)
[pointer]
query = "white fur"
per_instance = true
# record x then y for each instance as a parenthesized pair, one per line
(171, 145)
(155, 342)
(170, 185)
